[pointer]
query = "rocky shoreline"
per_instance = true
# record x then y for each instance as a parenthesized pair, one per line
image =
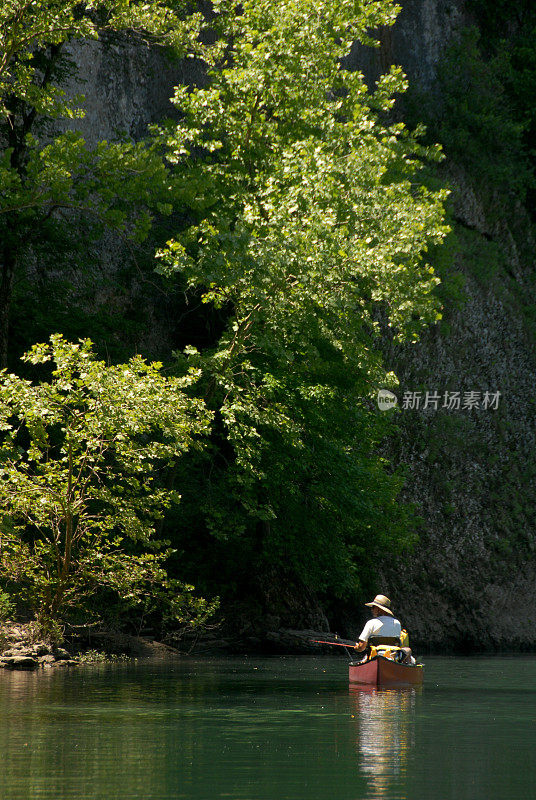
(21, 648)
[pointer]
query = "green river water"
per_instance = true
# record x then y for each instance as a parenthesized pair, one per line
(268, 729)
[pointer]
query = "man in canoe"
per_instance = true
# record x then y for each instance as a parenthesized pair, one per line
(383, 628)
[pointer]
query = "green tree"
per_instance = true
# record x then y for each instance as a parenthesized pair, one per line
(55, 189)
(506, 46)
(310, 226)
(81, 465)
(475, 119)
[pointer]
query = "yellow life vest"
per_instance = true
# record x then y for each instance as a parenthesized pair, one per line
(388, 651)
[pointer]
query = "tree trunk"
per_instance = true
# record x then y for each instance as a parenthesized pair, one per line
(9, 263)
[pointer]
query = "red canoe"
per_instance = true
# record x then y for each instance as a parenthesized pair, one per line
(380, 671)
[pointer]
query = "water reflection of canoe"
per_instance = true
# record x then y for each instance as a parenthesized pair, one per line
(380, 671)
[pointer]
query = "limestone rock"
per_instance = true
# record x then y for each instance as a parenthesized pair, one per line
(61, 654)
(20, 662)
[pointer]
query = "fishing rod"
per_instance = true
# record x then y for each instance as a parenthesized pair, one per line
(337, 644)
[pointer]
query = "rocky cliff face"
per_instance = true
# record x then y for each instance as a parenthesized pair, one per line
(126, 85)
(471, 582)
(416, 42)
(472, 579)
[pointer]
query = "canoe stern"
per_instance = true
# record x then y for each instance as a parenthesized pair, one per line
(380, 671)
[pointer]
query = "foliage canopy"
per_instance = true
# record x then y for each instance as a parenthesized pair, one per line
(309, 230)
(81, 464)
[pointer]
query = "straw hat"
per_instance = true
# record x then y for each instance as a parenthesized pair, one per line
(383, 602)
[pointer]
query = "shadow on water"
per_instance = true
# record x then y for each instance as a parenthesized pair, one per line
(274, 729)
